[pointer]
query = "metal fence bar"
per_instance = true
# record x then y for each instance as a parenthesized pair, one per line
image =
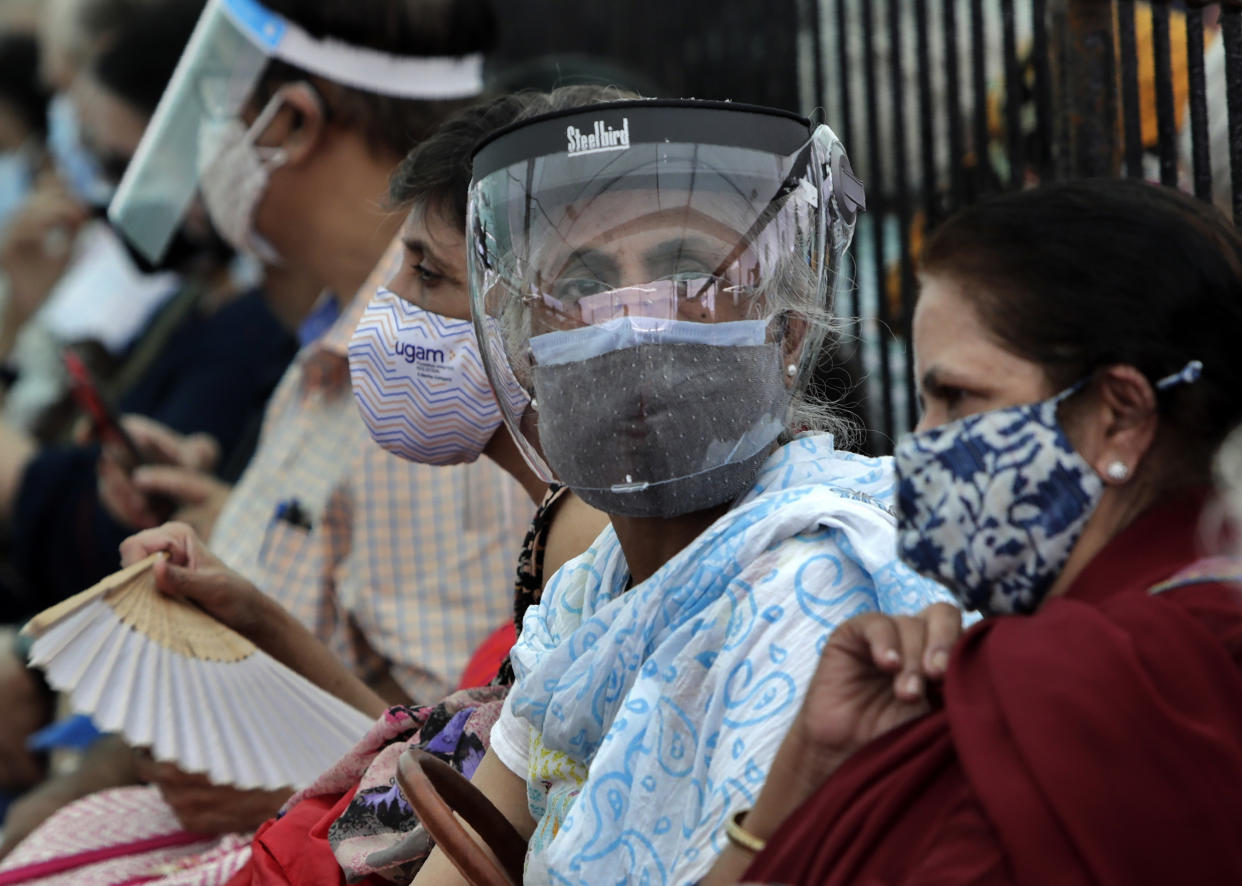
(1043, 87)
(1132, 129)
(1196, 76)
(953, 114)
(1089, 97)
(979, 93)
(1013, 94)
(1166, 114)
(877, 205)
(901, 193)
(1231, 32)
(845, 113)
(927, 112)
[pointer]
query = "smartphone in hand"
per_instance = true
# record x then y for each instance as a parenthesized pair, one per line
(108, 427)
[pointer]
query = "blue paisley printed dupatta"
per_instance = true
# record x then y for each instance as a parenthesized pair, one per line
(656, 713)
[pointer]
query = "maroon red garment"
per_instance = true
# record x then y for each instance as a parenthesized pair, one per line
(294, 848)
(1098, 741)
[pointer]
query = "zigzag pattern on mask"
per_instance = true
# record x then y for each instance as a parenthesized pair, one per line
(419, 383)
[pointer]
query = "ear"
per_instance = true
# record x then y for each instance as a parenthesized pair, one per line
(300, 124)
(795, 329)
(1121, 424)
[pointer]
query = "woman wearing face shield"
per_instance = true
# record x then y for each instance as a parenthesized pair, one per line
(651, 282)
(1076, 349)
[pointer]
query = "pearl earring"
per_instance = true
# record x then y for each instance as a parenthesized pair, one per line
(1118, 471)
(791, 370)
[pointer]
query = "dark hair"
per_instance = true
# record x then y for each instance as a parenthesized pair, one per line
(20, 86)
(1081, 275)
(400, 27)
(436, 174)
(141, 50)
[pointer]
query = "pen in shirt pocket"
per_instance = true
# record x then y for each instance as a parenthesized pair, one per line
(289, 511)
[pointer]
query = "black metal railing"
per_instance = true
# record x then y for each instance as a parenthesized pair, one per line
(940, 102)
(944, 101)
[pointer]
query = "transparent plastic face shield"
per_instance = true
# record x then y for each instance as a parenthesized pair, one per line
(214, 81)
(651, 291)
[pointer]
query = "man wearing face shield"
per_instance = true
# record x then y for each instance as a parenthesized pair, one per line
(652, 280)
(293, 132)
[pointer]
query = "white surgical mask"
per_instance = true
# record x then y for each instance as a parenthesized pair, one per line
(419, 382)
(234, 173)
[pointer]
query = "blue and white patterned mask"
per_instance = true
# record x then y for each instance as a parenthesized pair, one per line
(992, 505)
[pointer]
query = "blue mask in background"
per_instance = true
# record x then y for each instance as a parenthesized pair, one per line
(79, 168)
(16, 182)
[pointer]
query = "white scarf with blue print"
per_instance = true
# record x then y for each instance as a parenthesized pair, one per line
(656, 713)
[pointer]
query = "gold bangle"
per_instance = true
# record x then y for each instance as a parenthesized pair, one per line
(740, 837)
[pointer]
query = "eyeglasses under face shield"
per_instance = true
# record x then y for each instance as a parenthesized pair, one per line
(638, 224)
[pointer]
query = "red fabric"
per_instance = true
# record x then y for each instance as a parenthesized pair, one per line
(485, 664)
(293, 850)
(1096, 742)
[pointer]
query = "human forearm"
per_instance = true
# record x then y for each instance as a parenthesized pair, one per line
(787, 787)
(285, 639)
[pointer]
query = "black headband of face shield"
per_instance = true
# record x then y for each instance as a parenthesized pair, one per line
(645, 121)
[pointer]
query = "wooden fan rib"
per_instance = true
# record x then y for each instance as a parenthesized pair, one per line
(167, 676)
(50, 616)
(176, 624)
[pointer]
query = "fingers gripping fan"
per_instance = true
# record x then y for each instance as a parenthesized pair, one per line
(169, 677)
(215, 78)
(655, 276)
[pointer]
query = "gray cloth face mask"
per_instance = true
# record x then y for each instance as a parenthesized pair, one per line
(659, 430)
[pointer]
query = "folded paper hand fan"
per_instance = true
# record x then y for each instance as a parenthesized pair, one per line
(167, 676)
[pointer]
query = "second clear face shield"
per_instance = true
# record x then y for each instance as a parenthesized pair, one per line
(197, 117)
(654, 275)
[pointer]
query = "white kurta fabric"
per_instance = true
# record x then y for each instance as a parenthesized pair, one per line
(643, 719)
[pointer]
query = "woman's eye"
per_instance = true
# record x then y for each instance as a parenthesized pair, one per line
(426, 276)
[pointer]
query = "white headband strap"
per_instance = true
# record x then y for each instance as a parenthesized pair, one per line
(411, 77)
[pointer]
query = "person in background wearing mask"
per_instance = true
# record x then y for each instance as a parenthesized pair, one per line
(79, 284)
(399, 568)
(206, 364)
(1079, 369)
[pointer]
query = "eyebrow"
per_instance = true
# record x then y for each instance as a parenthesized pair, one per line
(588, 259)
(693, 247)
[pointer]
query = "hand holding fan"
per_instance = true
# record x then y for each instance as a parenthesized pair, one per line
(166, 675)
